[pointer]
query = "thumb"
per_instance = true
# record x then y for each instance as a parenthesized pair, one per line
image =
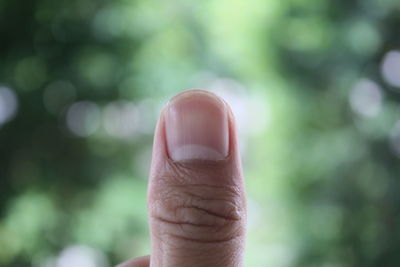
(196, 195)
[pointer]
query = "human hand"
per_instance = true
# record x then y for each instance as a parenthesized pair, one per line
(196, 196)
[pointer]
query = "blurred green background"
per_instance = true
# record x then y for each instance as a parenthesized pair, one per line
(314, 84)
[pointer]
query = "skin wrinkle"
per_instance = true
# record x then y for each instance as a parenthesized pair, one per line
(208, 248)
(230, 212)
(193, 240)
(229, 217)
(224, 259)
(184, 172)
(182, 212)
(182, 223)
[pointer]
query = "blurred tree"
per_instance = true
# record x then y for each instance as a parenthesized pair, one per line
(314, 85)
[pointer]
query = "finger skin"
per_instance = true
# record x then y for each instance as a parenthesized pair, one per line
(138, 262)
(197, 208)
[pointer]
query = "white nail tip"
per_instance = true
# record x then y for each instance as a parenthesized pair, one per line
(189, 152)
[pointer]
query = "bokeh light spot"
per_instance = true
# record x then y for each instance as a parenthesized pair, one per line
(81, 256)
(363, 37)
(391, 68)
(8, 104)
(366, 98)
(395, 139)
(120, 119)
(83, 118)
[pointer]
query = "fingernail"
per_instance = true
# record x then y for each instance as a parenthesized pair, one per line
(196, 124)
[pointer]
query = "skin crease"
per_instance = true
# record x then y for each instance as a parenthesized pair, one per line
(197, 208)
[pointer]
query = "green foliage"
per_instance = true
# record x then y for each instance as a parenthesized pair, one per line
(314, 85)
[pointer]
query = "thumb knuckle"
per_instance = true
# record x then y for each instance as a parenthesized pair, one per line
(199, 213)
